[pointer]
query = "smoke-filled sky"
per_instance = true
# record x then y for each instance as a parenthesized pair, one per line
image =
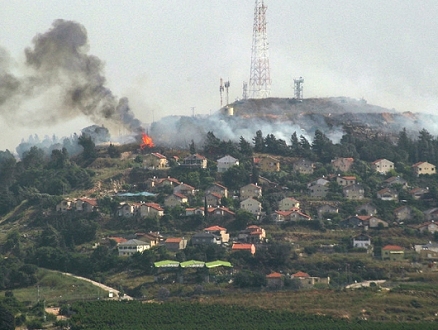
(167, 57)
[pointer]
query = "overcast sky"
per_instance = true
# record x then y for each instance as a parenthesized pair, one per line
(167, 56)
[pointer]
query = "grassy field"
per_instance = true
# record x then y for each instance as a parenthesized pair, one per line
(399, 305)
(56, 288)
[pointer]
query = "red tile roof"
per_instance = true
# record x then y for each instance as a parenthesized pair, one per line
(215, 228)
(393, 248)
(158, 155)
(155, 206)
(118, 240)
(274, 275)
(242, 246)
(301, 274)
(173, 240)
(91, 201)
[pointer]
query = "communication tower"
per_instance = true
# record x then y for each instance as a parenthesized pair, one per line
(221, 89)
(260, 75)
(227, 85)
(245, 90)
(298, 88)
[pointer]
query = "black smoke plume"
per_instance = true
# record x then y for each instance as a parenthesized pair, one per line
(60, 81)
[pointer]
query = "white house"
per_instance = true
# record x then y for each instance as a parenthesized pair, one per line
(251, 205)
(132, 246)
(226, 162)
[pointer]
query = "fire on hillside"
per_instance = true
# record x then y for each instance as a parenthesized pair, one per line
(146, 141)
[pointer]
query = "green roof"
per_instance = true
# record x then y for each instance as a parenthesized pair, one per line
(166, 263)
(192, 263)
(218, 263)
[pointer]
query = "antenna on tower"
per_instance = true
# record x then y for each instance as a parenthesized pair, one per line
(260, 75)
(245, 91)
(221, 89)
(227, 85)
(298, 88)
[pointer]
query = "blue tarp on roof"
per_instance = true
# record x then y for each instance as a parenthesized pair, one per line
(143, 193)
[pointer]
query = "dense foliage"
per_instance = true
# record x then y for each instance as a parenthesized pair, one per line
(135, 315)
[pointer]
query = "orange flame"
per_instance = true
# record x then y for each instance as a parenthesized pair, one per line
(146, 141)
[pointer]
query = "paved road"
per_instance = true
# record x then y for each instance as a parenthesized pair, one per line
(102, 286)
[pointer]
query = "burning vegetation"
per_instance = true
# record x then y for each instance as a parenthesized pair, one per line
(146, 141)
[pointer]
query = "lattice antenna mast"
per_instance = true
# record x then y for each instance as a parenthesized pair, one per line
(298, 88)
(221, 89)
(260, 75)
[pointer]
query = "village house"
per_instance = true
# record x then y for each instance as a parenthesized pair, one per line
(288, 203)
(382, 166)
(393, 253)
(117, 239)
(418, 193)
(86, 205)
(252, 206)
(225, 163)
(218, 231)
(423, 168)
(174, 244)
(387, 194)
(172, 182)
(65, 205)
(175, 199)
(354, 191)
(153, 238)
(217, 189)
(155, 160)
(252, 234)
(205, 239)
(346, 180)
(249, 191)
(402, 213)
(342, 164)
(184, 189)
(221, 211)
(266, 182)
(274, 280)
(362, 241)
(430, 227)
(290, 215)
(195, 161)
(213, 199)
(326, 209)
(427, 251)
(318, 190)
(363, 221)
(431, 214)
(195, 210)
(304, 166)
(127, 210)
(132, 246)
(244, 247)
(151, 210)
(307, 281)
(394, 181)
(320, 181)
(269, 164)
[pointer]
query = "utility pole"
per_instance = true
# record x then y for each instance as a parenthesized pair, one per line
(260, 75)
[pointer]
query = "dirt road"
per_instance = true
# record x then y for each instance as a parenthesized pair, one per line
(116, 293)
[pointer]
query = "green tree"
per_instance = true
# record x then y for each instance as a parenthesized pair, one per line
(235, 177)
(89, 153)
(259, 142)
(245, 147)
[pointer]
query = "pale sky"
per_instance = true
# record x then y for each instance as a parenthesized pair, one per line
(167, 56)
